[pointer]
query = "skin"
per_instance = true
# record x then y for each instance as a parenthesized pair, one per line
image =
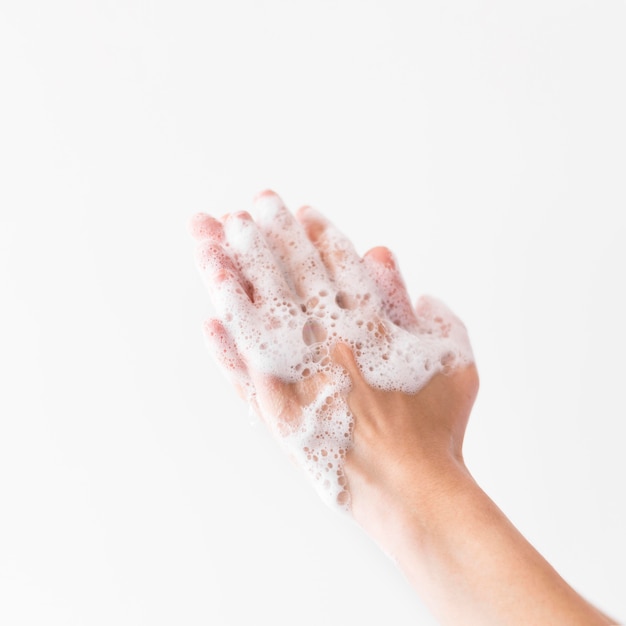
(408, 485)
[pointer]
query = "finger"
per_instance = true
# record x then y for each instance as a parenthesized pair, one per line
(277, 403)
(335, 249)
(255, 261)
(282, 403)
(383, 269)
(343, 264)
(436, 319)
(203, 226)
(300, 261)
(359, 394)
(224, 351)
(228, 290)
(342, 355)
(433, 316)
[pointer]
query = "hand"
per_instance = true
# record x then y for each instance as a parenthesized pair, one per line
(299, 310)
(372, 397)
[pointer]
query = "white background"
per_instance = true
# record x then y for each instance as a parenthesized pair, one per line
(484, 142)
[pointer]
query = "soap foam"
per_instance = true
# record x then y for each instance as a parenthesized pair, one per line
(285, 309)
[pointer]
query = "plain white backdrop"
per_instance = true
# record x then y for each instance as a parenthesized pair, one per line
(483, 141)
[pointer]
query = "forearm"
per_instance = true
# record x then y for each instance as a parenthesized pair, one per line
(467, 561)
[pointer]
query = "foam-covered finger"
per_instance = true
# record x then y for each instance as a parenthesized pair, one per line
(433, 316)
(299, 259)
(277, 404)
(255, 260)
(283, 403)
(384, 271)
(225, 352)
(336, 250)
(436, 319)
(344, 266)
(203, 226)
(214, 263)
(228, 289)
(342, 355)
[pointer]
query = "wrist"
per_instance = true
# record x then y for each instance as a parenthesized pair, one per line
(400, 504)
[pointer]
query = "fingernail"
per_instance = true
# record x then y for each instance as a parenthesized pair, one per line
(265, 194)
(309, 213)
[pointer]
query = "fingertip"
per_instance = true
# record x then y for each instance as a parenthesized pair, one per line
(202, 226)
(217, 338)
(192, 220)
(300, 213)
(227, 219)
(423, 305)
(435, 311)
(241, 215)
(238, 227)
(382, 255)
(212, 328)
(429, 305)
(307, 212)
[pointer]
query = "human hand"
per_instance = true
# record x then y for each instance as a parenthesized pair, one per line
(304, 321)
(371, 397)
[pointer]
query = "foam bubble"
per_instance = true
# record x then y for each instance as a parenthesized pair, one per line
(296, 302)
